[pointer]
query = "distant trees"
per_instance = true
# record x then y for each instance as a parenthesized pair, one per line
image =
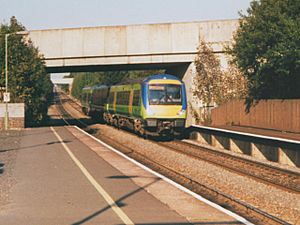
(108, 78)
(84, 79)
(28, 80)
(267, 49)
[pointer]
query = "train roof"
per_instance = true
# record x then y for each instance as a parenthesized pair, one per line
(130, 81)
(95, 87)
(161, 76)
(134, 81)
(147, 79)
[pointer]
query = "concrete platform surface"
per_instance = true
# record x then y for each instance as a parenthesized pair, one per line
(63, 176)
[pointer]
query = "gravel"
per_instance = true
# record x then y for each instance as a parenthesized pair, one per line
(9, 143)
(279, 203)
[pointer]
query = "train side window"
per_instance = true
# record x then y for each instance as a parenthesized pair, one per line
(119, 98)
(126, 96)
(123, 97)
(111, 98)
(136, 98)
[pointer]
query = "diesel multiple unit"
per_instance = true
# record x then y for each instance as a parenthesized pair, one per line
(154, 105)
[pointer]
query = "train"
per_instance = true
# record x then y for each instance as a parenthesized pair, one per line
(155, 105)
(93, 100)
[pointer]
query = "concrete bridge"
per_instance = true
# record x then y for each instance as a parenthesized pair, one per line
(170, 46)
(63, 81)
(129, 47)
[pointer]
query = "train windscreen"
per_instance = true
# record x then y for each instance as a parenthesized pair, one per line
(164, 94)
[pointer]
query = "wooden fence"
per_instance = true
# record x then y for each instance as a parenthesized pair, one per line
(281, 115)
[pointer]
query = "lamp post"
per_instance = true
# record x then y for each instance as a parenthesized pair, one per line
(6, 117)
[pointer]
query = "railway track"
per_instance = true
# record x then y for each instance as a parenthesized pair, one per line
(248, 211)
(275, 176)
(281, 178)
(65, 115)
(73, 103)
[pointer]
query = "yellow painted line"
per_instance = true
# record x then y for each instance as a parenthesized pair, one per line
(98, 187)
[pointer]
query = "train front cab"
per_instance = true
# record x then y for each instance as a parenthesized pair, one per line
(164, 101)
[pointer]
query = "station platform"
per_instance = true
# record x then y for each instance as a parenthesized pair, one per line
(264, 132)
(63, 176)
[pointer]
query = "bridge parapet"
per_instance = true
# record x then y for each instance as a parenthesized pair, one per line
(132, 44)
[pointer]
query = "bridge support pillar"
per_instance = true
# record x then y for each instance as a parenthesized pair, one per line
(187, 78)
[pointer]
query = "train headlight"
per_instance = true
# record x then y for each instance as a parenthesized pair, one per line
(181, 112)
(151, 122)
(150, 112)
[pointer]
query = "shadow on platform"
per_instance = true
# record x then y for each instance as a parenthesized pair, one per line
(1, 167)
(119, 202)
(34, 146)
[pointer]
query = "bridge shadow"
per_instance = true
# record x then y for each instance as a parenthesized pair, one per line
(121, 177)
(59, 116)
(1, 167)
(119, 202)
(34, 146)
(80, 122)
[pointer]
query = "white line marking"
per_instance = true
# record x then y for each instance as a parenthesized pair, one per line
(199, 197)
(248, 134)
(101, 191)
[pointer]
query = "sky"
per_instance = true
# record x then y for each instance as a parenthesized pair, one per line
(49, 14)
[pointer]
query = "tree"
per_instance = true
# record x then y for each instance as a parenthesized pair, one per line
(208, 75)
(212, 84)
(28, 80)
(267, 49)
(234, 85)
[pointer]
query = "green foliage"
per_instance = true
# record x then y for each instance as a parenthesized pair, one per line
(64, 87)
(28, 81)
(108, 78)
(81, 80)
(267, 49)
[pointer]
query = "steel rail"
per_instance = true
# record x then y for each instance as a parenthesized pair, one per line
(284, 179)
(248, 211)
